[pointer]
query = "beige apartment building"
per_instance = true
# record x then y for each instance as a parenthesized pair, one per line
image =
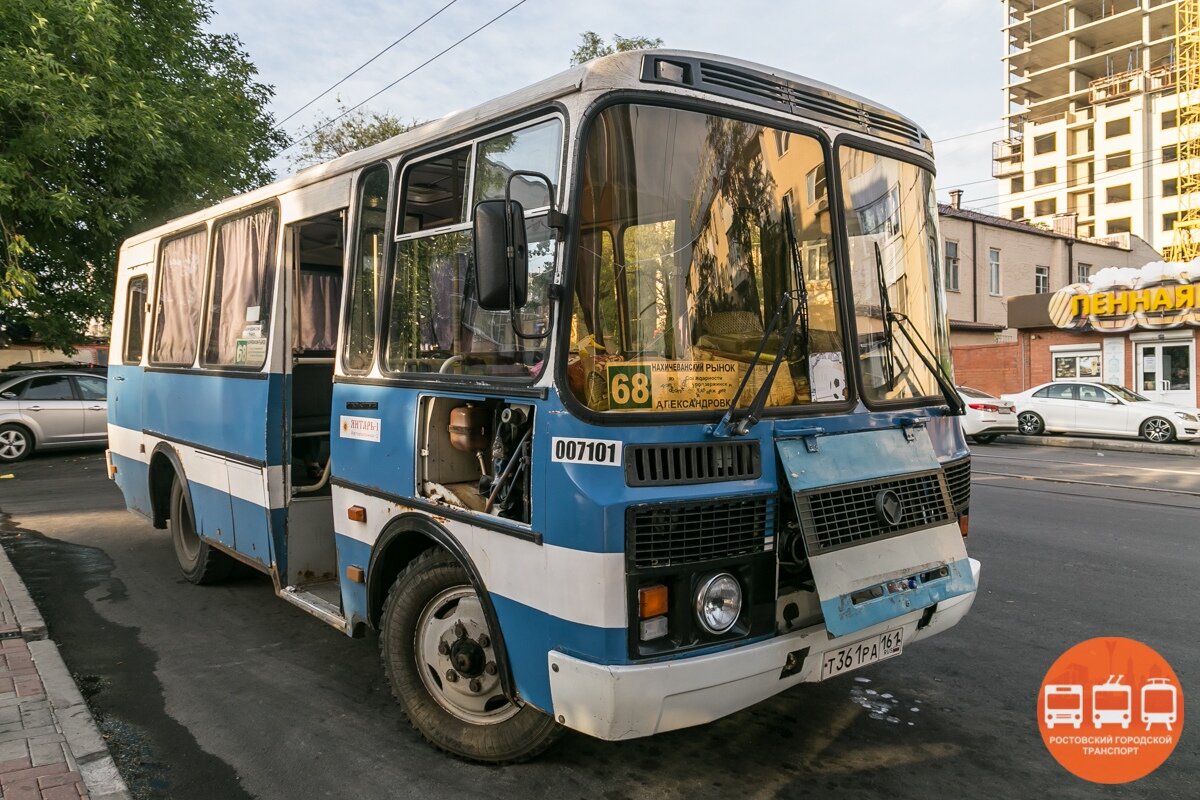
(1090, 107)
(987, 259)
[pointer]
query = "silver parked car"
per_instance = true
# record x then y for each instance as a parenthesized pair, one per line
(45, 408)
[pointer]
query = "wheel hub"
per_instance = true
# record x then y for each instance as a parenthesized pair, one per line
(468, 658)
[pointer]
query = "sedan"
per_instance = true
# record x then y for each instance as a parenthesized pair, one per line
(1062, 407)
(51, 408)
(986, 417)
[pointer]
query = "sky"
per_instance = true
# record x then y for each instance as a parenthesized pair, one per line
(936, 61)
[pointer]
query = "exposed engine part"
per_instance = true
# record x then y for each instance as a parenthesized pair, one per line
(507, 487)
(435, 491)
(468, 428)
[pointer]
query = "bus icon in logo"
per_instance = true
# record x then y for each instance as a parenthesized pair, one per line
(1111, 703)
(1063, 704)
(1160, 703)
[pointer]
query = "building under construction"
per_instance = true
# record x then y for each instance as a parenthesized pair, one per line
(1093, 116)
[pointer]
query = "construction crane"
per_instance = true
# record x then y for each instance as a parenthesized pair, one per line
(1186, 243)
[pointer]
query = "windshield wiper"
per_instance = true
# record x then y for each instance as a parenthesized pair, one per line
(727, 427)
(885, 308)
(929, 359)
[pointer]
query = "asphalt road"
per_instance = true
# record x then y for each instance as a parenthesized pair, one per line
(228, 692)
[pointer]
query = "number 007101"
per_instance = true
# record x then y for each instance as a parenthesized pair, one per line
(586, 451)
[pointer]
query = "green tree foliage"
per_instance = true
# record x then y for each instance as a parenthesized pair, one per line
(345, 131)
(115, 115)
(592, 45)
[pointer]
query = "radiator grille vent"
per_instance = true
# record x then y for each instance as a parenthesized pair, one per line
(847, 515)
(958, 478)
(678, 464)
(680, 533)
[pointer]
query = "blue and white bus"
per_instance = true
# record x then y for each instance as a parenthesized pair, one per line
(616, 404)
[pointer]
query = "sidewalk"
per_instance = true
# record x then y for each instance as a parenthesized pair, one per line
(50, 748)
(1101, 443)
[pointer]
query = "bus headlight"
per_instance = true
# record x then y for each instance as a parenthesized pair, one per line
(719, 603)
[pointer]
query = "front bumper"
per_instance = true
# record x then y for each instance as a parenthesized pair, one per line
(627, 701)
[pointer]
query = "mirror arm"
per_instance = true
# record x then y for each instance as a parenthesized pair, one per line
(555, 220)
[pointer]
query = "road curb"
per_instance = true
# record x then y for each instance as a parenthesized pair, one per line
(96, 765)
(1104, 444)
(28, 618)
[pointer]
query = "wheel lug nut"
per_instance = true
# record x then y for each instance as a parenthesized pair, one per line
(443, 648)
(451, 675)
(484, 640)
(490, 668)
(460, 631)
(476, 685)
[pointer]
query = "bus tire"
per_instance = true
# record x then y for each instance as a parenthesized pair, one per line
(200, 563)
(453, 696)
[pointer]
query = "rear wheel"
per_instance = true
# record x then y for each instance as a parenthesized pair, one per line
(1030, 423)
(16, 443)
(440, 659)
(985, 438)
(1158, 430)
(200, 562)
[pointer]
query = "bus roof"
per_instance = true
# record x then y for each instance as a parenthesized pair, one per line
(694, 73)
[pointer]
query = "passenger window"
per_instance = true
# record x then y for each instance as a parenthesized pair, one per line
(177, 318)
(135, 320)
(436, 324)
(369, 251)
(48, 388)
(1062, 392)
(91, 388)
(243, 277)
(535, 149)
(1042, 393)
(1092, 395)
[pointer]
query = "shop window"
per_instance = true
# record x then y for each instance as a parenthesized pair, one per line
(1077, 366)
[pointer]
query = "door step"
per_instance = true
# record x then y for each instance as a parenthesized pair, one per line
(315, 600)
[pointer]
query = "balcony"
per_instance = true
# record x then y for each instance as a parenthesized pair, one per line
(1135, 81)
(1007, 156)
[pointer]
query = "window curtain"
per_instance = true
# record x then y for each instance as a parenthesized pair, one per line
(245, 255)
(317, 295)
(178, 321)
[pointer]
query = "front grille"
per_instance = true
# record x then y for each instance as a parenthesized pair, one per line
(958, 479)
(846, 515)
(678, 464)
(680, 533)
(796, 98)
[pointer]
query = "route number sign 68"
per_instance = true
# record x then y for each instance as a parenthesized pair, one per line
(629, 387)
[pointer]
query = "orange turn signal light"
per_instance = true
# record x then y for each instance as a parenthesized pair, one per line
(356, 514)
(963, 525)
(652, 601)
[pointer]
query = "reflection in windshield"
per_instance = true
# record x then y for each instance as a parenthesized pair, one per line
(891, 226)
(1125, 394)
(683, 262)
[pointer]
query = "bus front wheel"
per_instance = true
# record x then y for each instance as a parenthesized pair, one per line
(440, 660)
(200, 563)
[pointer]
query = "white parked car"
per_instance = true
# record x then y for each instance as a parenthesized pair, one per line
(986, 417)
(1063, 407)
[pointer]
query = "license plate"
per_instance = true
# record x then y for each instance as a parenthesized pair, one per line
(1005, 410)
(859, 654)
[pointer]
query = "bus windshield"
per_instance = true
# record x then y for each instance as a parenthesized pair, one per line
(891, 225)
(683, 260)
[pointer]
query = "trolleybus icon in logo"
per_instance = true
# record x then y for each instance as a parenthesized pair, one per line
(1112, 703)
(1063, 704)
(1160, 703)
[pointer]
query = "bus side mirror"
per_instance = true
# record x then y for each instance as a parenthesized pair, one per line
(501, 256)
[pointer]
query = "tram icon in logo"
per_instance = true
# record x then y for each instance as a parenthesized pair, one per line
(888, 508)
